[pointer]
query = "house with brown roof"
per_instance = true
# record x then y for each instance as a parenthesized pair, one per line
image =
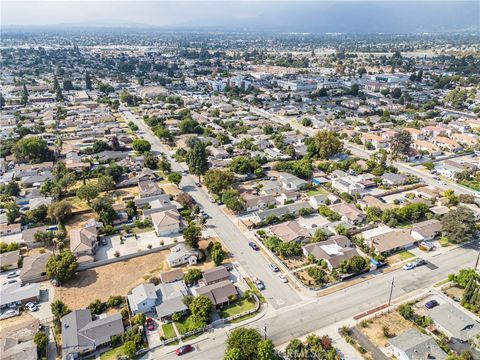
(148, 188)
(334, 251)
(427, 230)
(171, 276)
(215, 275)
(220, 293)
(34, 268)
(258, 202)
(391, 241)
(349, 213)
(84, 242)
(166, 222)
(9, 260)
(290, 231)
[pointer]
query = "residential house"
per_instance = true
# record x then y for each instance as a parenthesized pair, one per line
(34, 268)
(82, 335)
(182, 254)
(215, 275)
(220, 293)
(343, 185)
(282, 210)
(255, 203)
(143, 298)
(290, 231)
(317, 200)
(375, 140)
(16, 341)
(426, 230)
(449, 168)
(166, 222)
(349, 213)
(270, 187)
(454, 322)
(334, 251)
(447, 143)
(392, 179)
(171, 276)
(148, 188)
(16, 294)
(292, 182)
(9, 260)
(84, 243)
(171, 297)
(413, 345)
(391, 241)
(28, 236)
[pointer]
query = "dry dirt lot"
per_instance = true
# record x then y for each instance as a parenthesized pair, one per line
(170, 189)
(393, 320)
(114, 279)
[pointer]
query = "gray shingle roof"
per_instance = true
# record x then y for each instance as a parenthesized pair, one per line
(418, 346)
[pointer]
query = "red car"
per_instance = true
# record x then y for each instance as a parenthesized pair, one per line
(183, 350)
(150, 324)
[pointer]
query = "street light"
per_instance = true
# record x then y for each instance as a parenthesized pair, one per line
(391, 291)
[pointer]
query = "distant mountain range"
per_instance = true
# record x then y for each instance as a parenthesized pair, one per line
(351, 17)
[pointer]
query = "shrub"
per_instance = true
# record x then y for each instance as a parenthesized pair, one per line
(97, 307)
(114, 301)
(117, 253)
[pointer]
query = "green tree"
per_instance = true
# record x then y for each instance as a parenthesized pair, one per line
(105, 183)
(192, 235)
(232, 200)
(196, 160)
(103, 207)
(11, 189)
(88, 81)
(24, 99)
(163, 134)
(175, 178)
(41, 340)
(13, 212)
(233, 354)
(458, 225)
(59, 309)
(218, 255)
(62, 266)
(60, 211)
(201, 307)
(266, 350)
(141, 145)
(31, 149)
(150, 161)
(463, 277)
(246, 340)
(67, 85)
(319, 235)
(192, 276)
(129, 348)
(88, 192)
(400, 144)
(325, 144)
(217, 180)
(295, 350)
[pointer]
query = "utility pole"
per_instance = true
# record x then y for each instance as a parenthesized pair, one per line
(265, 331)
(476, 262)
(391, 292)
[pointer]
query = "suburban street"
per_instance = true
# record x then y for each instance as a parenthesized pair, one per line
(252, 262)
(288, 310)
(339, 307)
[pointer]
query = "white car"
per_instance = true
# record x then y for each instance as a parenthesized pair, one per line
(408, 266)
(12, 274)
(283, 278)
(31, 306)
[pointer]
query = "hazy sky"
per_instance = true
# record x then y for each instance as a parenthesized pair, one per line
(294, 15)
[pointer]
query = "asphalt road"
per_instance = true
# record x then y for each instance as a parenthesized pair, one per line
(318, 313)
(253, 263)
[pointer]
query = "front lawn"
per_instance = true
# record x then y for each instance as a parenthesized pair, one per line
(443, 241)
(316, 192)
(112, 354)
(238, 307)
(186, 324)
(404, 255)
(168, 331)
(255, 290)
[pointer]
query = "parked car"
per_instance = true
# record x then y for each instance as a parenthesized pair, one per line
(183, 350)
(31, 306)
(9, 313)
(12, 274)
(253, 246)
(10, 282)
(428, 244)
(259, 284)
(431, 304)
(129, 235)
(408, 266)
(150, 324)
(419, 262)
(283, 278)
(273, 267)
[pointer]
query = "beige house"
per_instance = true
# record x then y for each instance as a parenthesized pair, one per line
(166, 222)
(9, 260)
(290, 231)
(83, 243)
(35, 268)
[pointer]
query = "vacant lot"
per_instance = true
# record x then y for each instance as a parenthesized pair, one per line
(114, 279)
(392, 322)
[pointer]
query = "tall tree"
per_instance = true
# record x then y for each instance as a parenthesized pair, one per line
(325, 144)
(88, 81)
(246, 340)
(400, 144)
(217, 180)
(62, 266)
(197, 159)
(458, 225)
(192, 235)
(24, 100)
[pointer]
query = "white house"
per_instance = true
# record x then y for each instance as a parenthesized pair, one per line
(143, 298)
(182, 254)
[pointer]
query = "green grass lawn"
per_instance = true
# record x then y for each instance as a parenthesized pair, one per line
(168, 331)
(404, 255)
(184, 325)
(316, 192)
(237, 307)
(443, 241)
(112, 353)
(243, 318)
